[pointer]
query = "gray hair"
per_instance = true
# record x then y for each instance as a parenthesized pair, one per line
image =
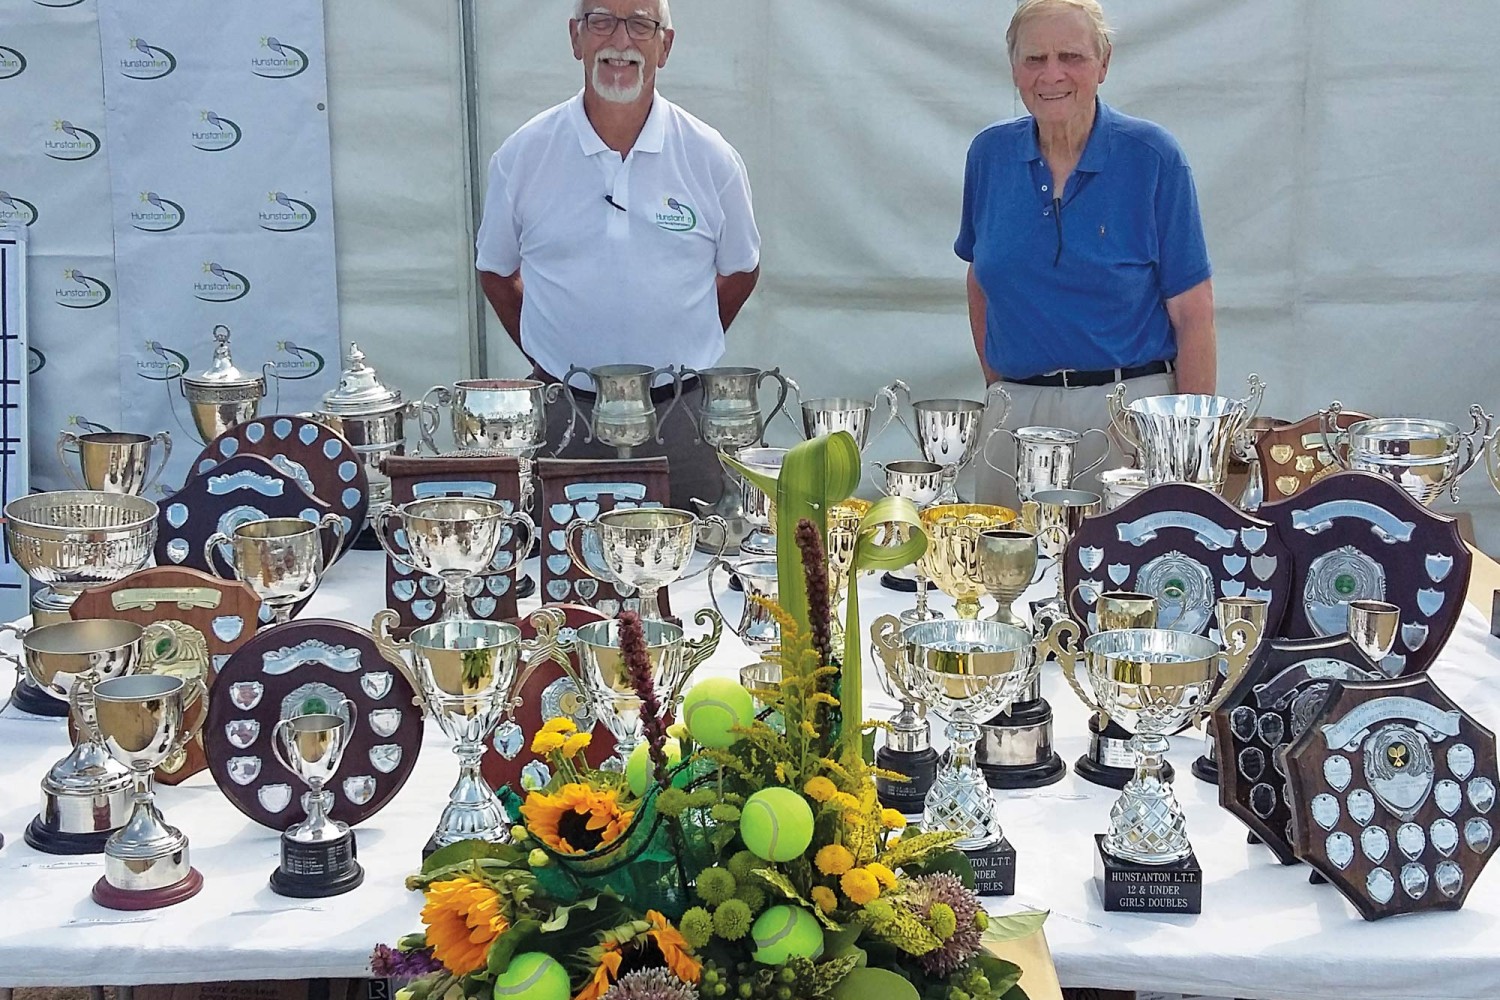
(1029, 9)
(663, 11)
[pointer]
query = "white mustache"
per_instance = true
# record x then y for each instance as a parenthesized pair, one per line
(610, 53)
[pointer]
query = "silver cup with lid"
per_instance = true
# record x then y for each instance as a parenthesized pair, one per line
(222, 395)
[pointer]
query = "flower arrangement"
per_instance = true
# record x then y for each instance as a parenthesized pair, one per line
(755, 862)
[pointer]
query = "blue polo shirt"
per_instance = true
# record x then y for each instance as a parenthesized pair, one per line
(1085, 287)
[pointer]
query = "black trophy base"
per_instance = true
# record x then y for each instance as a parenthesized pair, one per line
(33, 700)
(891, 581)
(1036, 716)
(994, 870)
(311, 871)
(1316, 878)
(1205, 768)
(55, 842)
(920, 766)
(526, 587)
(1127, 887)
(1038, 775)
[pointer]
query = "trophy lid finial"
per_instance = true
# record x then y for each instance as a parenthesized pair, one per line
(360, 390)
(222, 371)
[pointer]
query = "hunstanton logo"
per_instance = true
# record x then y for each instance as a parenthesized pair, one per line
(15, 210)
(220, 284)
(147, 61)
(301, 362)
(75, 142)
(80, 291)
(278, 61)
(162, 364)
(289, 215)
(157, 214)
(679, 217)
(215, 134)
(12, 63)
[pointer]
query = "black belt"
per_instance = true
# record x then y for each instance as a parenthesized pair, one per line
(1070, 379)
(659, 393)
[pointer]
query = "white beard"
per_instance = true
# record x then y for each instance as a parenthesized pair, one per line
(618, 95)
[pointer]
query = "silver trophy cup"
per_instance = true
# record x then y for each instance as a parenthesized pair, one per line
(317, 854)
(758, 508)
(453, 538)
(946, 430)
(729, 420)
(280, 558)
(624, 416)
(1046, 457)
(1184, 438)
(828, 414)
(1424, 457)
(638, 548)
(112, 461)
(757, 628)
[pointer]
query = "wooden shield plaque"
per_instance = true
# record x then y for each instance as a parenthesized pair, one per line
(1356, 535)
(1280, 692)
(1392, 792)
(547, 692)
(582, 489)
(1293, 457)
(221, 613)
(314, 454)
(306, 666)
(1187, 547)
(418, 599)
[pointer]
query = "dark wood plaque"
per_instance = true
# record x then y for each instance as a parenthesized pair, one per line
(314, 454)
(584, 489)
(546, 693)
(1271, 706)
(1356, 535)
(417, 598)
(1392, 791)
(1187, 547)
(292, 669)
(222, 614)
(1294, 457)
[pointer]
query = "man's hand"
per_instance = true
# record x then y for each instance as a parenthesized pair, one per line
(1192, 317)
(504, 292)
(733, 290)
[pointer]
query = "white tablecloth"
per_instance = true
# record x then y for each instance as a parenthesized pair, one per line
(1264, 932)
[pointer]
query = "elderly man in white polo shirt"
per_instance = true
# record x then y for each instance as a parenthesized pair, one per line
(618, 229)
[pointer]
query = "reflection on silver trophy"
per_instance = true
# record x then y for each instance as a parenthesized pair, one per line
(1424, 457)
(221, 396)
(728, 421)
(637, 548)
(113, 461)
(922, 484)
(757, 628)
(756, 506)
(946, 430)
(624, 416)
(317, 854)
(453, 538)
(280, 558)
(827, 414)
(1184, 438)
(500, 416)
(1046, 457)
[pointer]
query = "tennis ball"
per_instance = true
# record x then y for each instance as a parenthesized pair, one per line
(639, 770)
(861, 984)
(784, 932)
(776, 824)
(712, 707)
(532, 975)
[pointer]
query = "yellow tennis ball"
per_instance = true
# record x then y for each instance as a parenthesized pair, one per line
(784, 932)
(713, 707)
(640, 771)
(776, 824)
(532, 975)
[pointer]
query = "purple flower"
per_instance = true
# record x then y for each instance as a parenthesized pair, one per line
(393, 963)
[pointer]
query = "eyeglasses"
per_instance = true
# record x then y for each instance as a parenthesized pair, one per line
(638, 28)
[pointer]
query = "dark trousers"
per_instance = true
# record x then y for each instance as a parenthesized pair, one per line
(696, 472)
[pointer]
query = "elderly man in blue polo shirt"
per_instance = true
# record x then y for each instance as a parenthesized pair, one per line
(1087, 263)
(618, 230)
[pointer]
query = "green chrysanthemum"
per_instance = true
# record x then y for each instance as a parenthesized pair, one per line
(715, 885)
(732, 920)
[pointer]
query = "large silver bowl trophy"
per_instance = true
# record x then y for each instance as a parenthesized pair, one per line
(624, 414)
(730, 420)
(1424, 457)
(1183, 438)
(945, 430)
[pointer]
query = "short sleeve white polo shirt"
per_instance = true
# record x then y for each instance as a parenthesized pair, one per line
(618, 285)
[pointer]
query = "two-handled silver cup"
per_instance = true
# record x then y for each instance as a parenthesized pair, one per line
(1046, 457)
(1183, 438)
(453, 538)
(827, 414)
(624, 414)
(114, 461)
(729, 420)
(280, 558)
(945, 430)
(639, 548)
(1424, 457)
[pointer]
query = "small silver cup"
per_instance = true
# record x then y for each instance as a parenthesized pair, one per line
(114, 462)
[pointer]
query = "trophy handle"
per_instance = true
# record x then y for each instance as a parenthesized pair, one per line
(14, 661)
(1119, 417)
(1072, 598)
(723, 526)
(65, 439)
(547, 644)
(995, 391)
(353, 722)
(713, 594)
(1250, 402)
(1246, 636)
(163, 438)
(890, 649)
(551, 393)
(388, 540)
(889, 395)
(695, 651)
(1491, 448)
(524, 519)
(1102, 455)
(1475, 440)
(797, 392)
(1069, 657)
(575, 553)
(661, 418)
(393, 649)
(984, 450)
(781, 390)
(879, 485)
(200, 693)
(334, 523)
(428, 416)
(276, 748)
(1333, 435)
(575, 412)
(212, 546)
(81, 706)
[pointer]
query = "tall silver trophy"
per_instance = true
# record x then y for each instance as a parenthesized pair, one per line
(730, 420)
(945, 430)
(222, 395)
(317, 854)
(453, 538)
(908, 747)
(1154, 682)
(624, 413)
(828, 414)
(1184, 438)
(1424, 457)
(639, 548)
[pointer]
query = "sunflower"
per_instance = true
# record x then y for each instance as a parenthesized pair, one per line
(576, 818)
(675, 953)
(463, 919)
(606, 971)
(661, 945)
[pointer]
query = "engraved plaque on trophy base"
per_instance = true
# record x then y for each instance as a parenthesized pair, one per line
(994, 870)
(1015, 748)
(920, 766)
(1110, 761)
(1127, 887)
(310, 871)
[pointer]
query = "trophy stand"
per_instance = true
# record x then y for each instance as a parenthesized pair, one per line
(1146, 821)
(318, 854)
(1110, 761)
(908, 745)
(960, 799)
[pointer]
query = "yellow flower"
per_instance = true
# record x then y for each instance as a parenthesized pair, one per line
(844, 800)
(860, 886)
(833, 859)
(545, 742)
(820, 789)
(605, 972)
(675, 953)
(561, 725)
(576, 744)
(883, 875)
(824, 899)
(892, 820)
(576, 818)
(463, 919)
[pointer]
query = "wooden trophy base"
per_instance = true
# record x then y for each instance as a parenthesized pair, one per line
(56, 842)
(312, 871)
(1127, 887)
(115, 898)
(994, 870)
